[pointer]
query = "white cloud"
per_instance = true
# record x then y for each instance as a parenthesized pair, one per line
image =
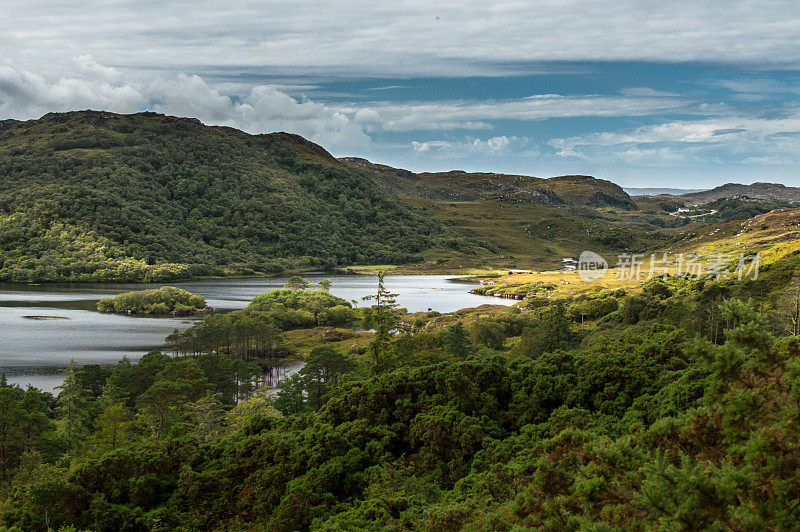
(470, 146)
(88, 66)
(473, 115)
(395, 39)
(265, 108)
(26, 95)
(493, 144)
(433, 144)
(721, 141)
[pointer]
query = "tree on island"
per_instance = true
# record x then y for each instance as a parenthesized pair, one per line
(295, 282)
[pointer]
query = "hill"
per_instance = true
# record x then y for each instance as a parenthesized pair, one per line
(97, 196)
(660, 191)
(457, 185)
(530, 222)
(774, 235)
(764, 191)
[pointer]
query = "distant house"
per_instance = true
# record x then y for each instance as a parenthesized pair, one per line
(684, 209)
(569, 264)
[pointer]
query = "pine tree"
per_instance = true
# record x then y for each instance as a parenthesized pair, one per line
(11, 415)
(456, 342)
(72, 406)
(322, 372)
(383, 318)
(114, 428)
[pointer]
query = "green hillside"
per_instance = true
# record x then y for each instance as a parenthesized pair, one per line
(96, 196)
(531, 222)
(457, 185)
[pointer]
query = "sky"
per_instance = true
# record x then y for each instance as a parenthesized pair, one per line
(680, 94)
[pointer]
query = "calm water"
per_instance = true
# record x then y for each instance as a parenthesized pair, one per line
(32, 351)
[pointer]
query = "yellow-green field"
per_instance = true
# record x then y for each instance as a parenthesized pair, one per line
(343, 340)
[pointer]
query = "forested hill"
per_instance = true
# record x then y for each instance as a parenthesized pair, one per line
(99, 196)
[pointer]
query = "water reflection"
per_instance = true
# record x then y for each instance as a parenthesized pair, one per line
(32, 350)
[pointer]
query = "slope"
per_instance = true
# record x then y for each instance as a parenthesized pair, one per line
(96, 196)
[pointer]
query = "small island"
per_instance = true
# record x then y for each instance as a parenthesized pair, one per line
(164, 301)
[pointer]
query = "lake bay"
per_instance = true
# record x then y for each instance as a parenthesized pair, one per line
(43, 327)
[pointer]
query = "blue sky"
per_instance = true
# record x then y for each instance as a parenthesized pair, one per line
(643, 93)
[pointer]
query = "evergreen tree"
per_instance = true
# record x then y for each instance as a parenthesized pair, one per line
(73, 402)
(113, 429)
(11, 417)
(35, 422)
(456, 342)
(324, 368)
(383, 319)
(291, 396)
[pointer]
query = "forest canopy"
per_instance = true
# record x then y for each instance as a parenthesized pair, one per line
(158, 301)
(672, 407)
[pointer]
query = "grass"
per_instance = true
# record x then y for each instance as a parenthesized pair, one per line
(528, 235)
(773, 235)
(343, 340)
(557, 284)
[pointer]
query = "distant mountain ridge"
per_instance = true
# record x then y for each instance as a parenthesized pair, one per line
(458, 185)
(633, 191)
(766, 191)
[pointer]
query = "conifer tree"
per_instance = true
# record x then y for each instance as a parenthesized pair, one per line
(382, 318)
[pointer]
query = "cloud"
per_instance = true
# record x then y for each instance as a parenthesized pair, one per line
(647, 92)
(404, 39)
(88, 66)
(26, 95)
(719, 141)
(265, 108)
(474, 115)
(470, 146)
(493, 144)
(433, 144)
(758, 86)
